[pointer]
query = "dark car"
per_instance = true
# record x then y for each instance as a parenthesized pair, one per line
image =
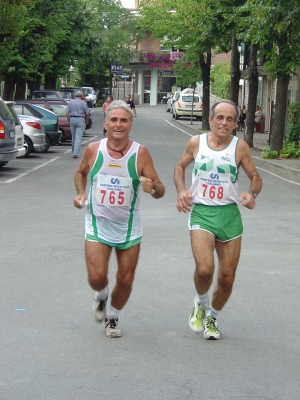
(7, 135)
(45, 94)
(58, 106)
(49, 119)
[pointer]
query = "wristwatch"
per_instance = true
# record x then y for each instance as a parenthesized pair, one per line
(153, 191)
(254, 194)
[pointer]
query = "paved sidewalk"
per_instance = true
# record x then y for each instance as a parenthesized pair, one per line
(260, 142)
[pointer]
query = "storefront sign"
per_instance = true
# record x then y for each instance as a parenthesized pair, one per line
(116, 69)
(167, 74)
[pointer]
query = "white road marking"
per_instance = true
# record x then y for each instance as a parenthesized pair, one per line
(277, 176)
(31, 170)
(178, 128)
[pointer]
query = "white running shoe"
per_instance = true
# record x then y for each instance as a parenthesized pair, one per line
(111, 327)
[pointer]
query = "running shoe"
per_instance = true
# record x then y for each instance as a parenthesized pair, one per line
(111, 327)
(197, 317)
(211, 331)
(99, 309)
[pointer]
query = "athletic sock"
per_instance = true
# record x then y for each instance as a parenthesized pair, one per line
(202, 299)
(113, 312)
(102, 294)
(212, 313)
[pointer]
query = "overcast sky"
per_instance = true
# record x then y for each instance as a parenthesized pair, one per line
(128, 3)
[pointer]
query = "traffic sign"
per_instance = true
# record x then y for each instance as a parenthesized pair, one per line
(125, 76)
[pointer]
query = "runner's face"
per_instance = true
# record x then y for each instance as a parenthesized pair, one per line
(223, 121)
(118, 124)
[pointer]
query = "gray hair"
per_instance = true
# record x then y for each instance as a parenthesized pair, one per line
(79, 94)
(212, 110)
(119, 104)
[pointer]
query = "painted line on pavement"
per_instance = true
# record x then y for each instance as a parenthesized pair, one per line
(277, 176)
(31, 170)
(85, 141)
(178, 128)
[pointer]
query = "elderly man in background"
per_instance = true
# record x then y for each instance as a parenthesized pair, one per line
(77, 113)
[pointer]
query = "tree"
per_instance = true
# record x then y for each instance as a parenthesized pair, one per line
(276, 22)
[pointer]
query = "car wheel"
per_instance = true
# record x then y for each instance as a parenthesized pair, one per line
(28, 146)
(173, 116)
(167, 109)
(176, 116)
(46, 146)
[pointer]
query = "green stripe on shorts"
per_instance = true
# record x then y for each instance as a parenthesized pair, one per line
(224, 222)
(121, 246)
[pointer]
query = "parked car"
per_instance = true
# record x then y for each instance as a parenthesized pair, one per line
(7, 135)
(34, 134)
(19, 139)
(49, 119)
(70, 89)
(184, 103)
(58, 106)
(171, 101)
(46, 94)
(90, 96)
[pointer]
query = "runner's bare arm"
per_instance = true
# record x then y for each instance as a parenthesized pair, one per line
(148, 176)
(81, 174)
(183, 194)
(245, 160)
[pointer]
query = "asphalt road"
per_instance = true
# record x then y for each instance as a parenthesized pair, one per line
(51, 349)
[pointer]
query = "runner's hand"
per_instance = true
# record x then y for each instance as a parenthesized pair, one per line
(184, 201)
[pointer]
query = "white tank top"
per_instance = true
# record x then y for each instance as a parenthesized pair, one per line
(215, 174)
(114, 201)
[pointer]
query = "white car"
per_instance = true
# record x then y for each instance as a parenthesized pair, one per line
(185, 103)
(34, 133)
(171, 101)
(20, 145)
(90, 96)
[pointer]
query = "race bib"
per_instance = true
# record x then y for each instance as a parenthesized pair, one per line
(213, 186)
(113, 190)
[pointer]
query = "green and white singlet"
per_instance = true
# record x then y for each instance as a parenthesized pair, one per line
(113, 211)
(215, 174)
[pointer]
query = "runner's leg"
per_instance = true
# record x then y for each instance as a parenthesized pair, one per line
(127, 262)
(97, 257)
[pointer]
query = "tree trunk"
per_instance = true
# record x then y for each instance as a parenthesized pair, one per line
(205, 68)
(253, 89)
(235, 72)
(9, 88)
(280, 113)
(35, 83)
(20, 89)
(50, 82)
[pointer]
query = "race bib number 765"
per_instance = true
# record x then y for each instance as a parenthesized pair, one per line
(113, 190)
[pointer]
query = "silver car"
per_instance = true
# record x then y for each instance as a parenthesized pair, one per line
(19, 143)
(34, 134)
(7, 135)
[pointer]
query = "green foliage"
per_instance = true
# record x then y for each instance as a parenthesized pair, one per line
(293, 124)
(269, 154)
(290, 150)
(220, 80)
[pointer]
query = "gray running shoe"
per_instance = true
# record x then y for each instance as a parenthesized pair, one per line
(197, 317)
(111, 327)
(211, 331)
(99, 309)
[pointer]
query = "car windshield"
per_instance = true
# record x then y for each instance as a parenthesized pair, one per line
(190, 99)
(13, 113)
(87, 91)
(59, 109)
(44, 96)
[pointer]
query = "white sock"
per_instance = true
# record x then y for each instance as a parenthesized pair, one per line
(113, 312)
(102, 294)
(202, 299)
(212, 312)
